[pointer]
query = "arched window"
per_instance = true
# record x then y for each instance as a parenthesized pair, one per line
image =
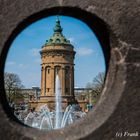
(67, 70)
(48, 69)
(57, 68)
(50, 40)
(57, 40)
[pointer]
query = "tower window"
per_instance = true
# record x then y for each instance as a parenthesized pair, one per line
(57, 40)
(48, 71)
(48, 89)
(66, 89)
(57, 68)
(50, 40)
(67, 70)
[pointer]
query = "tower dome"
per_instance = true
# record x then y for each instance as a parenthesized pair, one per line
(58, 37)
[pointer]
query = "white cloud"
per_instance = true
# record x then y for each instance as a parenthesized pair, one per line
(10, 63)
(84, 51)
(22, 66)
(71, 39)
(34, 52)
(38, 60)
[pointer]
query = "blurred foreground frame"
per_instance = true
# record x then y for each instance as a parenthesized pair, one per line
(117, 112)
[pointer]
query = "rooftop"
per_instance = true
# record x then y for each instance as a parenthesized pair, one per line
(58, 38)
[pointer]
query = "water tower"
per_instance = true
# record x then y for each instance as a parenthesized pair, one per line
(57, 57)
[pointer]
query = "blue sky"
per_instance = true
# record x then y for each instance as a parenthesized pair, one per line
(24, 58)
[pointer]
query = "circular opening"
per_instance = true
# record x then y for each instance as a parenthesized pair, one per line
(98, 27)
(78, 63)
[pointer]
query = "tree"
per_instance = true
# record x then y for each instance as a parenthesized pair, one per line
(12, 86)
(96, 86)
(98, 82)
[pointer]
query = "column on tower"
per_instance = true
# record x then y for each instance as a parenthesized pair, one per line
(72, 80)
(67, 80)
(52, 80)
(42, 83)
(43, 77)
(63, 80)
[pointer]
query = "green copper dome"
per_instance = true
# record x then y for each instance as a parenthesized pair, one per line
(58, 38)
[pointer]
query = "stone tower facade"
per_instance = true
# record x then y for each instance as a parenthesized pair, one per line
(57, 57)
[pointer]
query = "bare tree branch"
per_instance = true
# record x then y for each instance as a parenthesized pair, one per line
(96, 86)
(12, 85)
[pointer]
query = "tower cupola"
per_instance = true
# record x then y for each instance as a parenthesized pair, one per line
(58, 38)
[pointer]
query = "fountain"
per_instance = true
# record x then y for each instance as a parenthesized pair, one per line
(47, 120)
(58, 108)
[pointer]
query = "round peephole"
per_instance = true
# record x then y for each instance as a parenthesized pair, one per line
(54, 72)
